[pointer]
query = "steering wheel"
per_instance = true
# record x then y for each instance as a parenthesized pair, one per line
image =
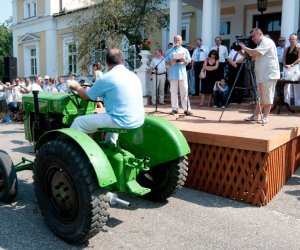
(74, 98)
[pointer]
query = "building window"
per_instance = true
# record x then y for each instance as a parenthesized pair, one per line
(224, 28)
(33, 60)
(30, 8)
(72, 58)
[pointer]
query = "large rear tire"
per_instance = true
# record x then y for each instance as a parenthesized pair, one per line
(8, 178)
(164, 179)
(68, 193)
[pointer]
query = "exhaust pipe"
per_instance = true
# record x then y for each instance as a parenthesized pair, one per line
(113, 200)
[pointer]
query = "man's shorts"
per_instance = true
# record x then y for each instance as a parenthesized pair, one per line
(266, 91)
(3, 106)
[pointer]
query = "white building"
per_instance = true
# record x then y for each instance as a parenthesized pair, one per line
(44, 44)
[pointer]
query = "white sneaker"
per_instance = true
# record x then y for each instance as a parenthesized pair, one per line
(251, 118)
(214, 106)
(263, 120)
(223, 107)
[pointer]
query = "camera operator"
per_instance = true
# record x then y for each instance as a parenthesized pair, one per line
(266, 71)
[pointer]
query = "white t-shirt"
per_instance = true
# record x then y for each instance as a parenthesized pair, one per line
(98, 74)
(34, 86)
(161, 64)
(266, 65)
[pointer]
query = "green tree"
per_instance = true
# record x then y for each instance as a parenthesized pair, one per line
(103, 25)
(6, 43)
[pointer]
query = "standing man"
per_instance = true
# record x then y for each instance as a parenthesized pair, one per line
(266, 71)
(157, 74)
(122, 93)
(223, 54)
(199, 56)
(280, 51)
(177, 60)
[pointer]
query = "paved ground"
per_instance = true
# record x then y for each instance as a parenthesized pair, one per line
(190, 220)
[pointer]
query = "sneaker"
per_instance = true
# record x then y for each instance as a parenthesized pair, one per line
(251, 118)
(174, 112)
(188, 113)
(264, 120)
(223, 107)
(214, 106)
(162, 103)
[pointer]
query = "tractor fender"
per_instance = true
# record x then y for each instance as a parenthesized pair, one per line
(95, 154)
(158, 139)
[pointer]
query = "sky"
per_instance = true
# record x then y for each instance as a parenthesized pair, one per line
(6, 10)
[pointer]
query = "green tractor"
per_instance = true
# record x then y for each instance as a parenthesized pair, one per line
(77, 175)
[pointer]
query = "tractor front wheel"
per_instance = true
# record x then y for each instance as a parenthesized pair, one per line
(164, 179)
(68, 193)
(8, 178)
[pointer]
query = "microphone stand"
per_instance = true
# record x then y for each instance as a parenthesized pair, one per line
(156, 89)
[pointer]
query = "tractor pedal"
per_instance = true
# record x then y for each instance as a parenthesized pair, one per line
(137, 189)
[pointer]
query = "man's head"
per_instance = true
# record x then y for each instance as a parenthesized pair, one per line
(47, 79)
(60, 80)
(38, 80)
(198, 42)
(158, 52)
(257, 35)
(218, 40)
(27, 81)
(170, 45)
(281, 41)
(114, 57)
(178, 40)
(17, 80)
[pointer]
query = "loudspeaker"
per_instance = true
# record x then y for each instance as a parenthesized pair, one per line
(10, 68)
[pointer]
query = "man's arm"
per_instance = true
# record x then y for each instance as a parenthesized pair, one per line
(80, 90)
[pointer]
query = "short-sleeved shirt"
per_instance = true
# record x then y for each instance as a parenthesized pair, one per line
(61, 87)
(122, 94)
(177, 71)
(161, 64)
(266, 65)
(200, 54)
(223, 52)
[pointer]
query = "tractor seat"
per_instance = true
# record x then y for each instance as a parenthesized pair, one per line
(114, 130)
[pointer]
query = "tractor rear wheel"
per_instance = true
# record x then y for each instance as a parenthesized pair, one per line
(68, 193)
(164, 179)
(8, 178)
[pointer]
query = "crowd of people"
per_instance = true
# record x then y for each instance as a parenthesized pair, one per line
(228, 69)
(11, 108)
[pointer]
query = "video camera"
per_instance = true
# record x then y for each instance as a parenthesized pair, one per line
(247, 40)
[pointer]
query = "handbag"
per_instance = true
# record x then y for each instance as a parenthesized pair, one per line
(202, 74)
(293, 73)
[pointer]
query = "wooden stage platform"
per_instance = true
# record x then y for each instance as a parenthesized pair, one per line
(240, 160)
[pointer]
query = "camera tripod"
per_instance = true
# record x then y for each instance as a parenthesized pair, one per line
(255, 96)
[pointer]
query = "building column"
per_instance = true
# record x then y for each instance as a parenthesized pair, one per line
(210, 21)
(51, 53)
(289, 17)
(175, 18)
(198, 22)
(238, 24)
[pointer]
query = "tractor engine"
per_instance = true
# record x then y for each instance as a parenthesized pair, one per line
(45, 111)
